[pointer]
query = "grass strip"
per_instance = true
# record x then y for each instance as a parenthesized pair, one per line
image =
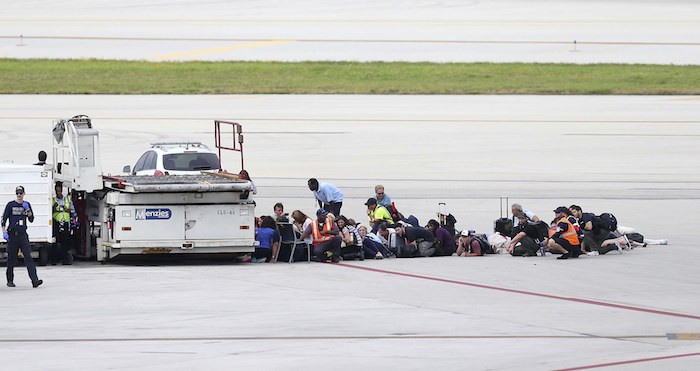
(50, 76)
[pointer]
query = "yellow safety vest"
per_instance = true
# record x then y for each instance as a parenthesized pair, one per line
(61, 214)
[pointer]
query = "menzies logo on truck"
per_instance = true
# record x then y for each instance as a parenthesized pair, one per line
(153, 214)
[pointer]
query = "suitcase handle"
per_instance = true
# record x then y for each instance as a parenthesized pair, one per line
(502, 199)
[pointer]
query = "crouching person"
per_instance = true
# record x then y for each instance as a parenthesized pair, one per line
(326, 237)
(444, 240)
(525, 240)
(419, 242)
(565, 239)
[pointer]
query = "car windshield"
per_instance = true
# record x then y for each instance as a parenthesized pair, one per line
(190, 161)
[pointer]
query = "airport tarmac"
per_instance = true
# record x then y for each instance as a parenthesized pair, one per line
(565, 31)
(632, 156)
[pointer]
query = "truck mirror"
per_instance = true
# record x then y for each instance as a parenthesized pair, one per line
(126, 169)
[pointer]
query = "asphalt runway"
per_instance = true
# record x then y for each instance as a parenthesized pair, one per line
(632, 156)
(567, 31)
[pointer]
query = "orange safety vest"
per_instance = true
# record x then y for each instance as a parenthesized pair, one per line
(570, 235)
(316, 233)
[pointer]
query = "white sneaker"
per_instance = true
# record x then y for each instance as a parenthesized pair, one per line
(593, 253)
(379, 256)
(664, 242)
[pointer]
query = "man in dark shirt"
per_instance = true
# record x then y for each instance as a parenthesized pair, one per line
(418, 238)
(593, 233)
(16, 214)
(525, 240)
(445, 241)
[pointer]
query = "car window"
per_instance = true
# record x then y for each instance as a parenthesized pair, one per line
(190, 161)
(151, 158)
(140, 163)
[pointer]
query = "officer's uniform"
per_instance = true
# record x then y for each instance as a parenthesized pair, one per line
(18, 239)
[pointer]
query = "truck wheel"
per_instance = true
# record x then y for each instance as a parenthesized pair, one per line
(43, 255)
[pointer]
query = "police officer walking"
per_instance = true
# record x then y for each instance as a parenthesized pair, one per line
(63, 216)
(16, 213)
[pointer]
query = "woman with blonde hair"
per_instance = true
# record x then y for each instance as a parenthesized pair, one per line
(301, 221)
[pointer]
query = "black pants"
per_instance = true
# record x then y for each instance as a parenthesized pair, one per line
(263, 252)
(332, 245)
(335, 209)
(19, 240)
(62, 246)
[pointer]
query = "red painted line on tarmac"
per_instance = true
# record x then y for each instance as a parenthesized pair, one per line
(629, 362)
(575, 300)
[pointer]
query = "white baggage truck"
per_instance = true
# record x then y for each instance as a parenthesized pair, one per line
(208, 213)
(38, 185)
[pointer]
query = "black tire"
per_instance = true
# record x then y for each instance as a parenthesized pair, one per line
(43, 256)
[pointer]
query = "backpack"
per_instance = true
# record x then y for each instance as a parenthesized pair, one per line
(542, 230)
(485, 247)
(608, 221)
(395, 214)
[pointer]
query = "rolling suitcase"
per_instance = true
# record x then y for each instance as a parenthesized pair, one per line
(503, 225)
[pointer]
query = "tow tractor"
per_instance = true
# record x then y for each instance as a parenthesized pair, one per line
(208, 213)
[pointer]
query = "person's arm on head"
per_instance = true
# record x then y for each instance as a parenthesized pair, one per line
(460, 247)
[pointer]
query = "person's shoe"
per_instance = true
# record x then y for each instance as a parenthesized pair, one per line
(37, 283)
(564, 256)
(258, 260)
(664, 242)
(575, 254)
(336, 259)
(11, 284)
(644, 244)
(593, 253)
(379, 256)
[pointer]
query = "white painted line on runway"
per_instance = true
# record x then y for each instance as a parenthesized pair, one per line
(224, 49)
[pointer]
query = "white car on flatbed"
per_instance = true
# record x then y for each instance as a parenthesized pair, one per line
(175, 158)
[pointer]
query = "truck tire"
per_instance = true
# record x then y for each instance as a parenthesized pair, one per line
(43, 255)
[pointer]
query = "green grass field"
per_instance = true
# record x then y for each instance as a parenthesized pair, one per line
(44, 76)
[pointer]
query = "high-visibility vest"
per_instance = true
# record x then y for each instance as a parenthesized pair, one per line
(316, 233)
(58, 214)
(570, 235)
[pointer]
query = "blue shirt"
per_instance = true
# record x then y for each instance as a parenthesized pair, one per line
(385, 201)
(266, 236)
(16, 214)
(328, 193)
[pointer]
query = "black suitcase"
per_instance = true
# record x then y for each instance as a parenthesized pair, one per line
(503, 225)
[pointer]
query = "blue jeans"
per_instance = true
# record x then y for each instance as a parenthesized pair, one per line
(371, 248)
(335, 209)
